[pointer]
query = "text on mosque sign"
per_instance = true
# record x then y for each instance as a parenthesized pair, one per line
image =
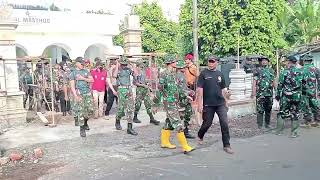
(33, 20)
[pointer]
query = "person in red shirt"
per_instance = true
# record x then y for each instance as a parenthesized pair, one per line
(99, 85)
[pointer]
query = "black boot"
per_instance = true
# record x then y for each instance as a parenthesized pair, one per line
(267, 120)
(153, 121)
(259, 120)
(135, 118)
(118, 125)
(83, 131)
(187, 134)
(86, 126)
(64, 114)
(76, 121)
(130, 130)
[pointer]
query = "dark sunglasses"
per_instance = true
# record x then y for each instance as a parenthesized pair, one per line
(212, 61)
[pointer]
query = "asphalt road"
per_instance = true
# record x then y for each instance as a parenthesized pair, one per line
(262, 157)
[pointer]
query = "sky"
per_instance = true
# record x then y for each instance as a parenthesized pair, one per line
(119, 7)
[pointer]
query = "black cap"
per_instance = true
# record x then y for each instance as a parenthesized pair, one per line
(212, 57)
(292, 58)
(263, 58)
(80, 60)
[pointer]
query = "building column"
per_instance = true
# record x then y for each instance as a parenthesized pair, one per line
(11, 111)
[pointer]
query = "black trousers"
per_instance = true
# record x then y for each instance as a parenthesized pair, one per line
(207, 116)
(111, 98)
(64, 105)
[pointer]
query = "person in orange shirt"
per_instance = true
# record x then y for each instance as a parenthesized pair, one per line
(191, 72)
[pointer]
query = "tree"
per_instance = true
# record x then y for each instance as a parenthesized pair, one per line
(304, 22)
(118, 40)
(222, 23)
(160, 34)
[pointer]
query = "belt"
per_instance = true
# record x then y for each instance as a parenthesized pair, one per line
(127, 87)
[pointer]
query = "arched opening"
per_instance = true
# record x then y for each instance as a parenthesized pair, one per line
(57, 52)
(21, 51)
(95, 50)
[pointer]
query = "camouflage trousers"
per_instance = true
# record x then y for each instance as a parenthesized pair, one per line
(173, 121)
(289, 108)
(264, 107)
(142, 94)
(310, 108)
(125, 104)
(83, 109)
(186, 114)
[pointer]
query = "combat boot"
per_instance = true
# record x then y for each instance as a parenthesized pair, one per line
(135, 118)
(130, 130)
(187, 134)
(153, 121)
(294, 129)
(64, 113)
(259, 120)
(118, 125)
(267, 118)
(76, 121)
(86, 126)
(83, 131)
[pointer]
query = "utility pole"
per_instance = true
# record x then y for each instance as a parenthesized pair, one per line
(195, 32)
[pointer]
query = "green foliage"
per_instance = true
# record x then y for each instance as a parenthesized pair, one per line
(304, 22)
(254, 23)
(160, 34)
(118, 40)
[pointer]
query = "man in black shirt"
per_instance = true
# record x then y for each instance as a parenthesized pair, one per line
(212, 99)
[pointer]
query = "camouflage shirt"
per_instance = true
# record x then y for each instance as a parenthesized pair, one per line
(182, 84)
(83, 87)
(141, 78)
(168, 85)
(264, 77)
(311, 75)
(290, 83)
(123, 78)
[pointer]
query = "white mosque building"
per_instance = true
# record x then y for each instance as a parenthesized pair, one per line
(55, 34)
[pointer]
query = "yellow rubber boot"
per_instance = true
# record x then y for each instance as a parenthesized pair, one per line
(165, 139)
(184, 144)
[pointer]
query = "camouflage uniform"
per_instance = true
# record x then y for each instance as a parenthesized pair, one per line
(310, 105)
(82, 110)
(170, 90)
(289, 93)
(264, 77)
(26, 80)
(39, 81)
(184, 102)
(125, 95)
(143, 94)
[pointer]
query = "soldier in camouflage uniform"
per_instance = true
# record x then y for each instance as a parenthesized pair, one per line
(310, 106)
(63, 89)
(39, 81)
(26, 80)
(263, 85)
(125, 95)
(289, 93)
(169, 88)
(143, 93)
(82, 106)
(185, 96)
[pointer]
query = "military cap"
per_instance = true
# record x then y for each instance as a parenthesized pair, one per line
(170, 58)
(307, 57)
(124, 60)
(80, 60)
(292, 58)
(263, 58)
(181, 64)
